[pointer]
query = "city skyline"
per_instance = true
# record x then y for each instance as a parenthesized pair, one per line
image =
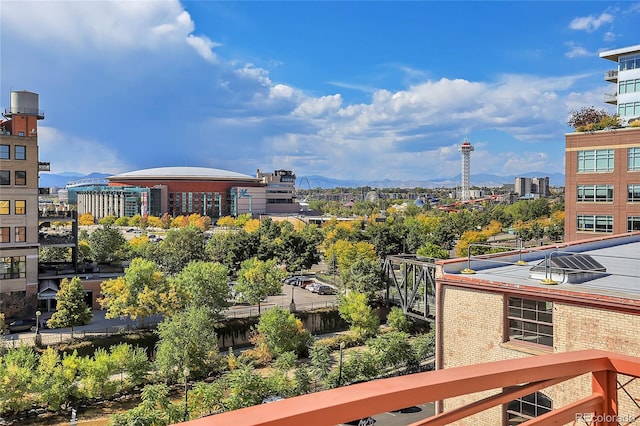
(359, 90)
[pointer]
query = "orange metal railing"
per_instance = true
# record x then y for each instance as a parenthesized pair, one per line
(517, 377)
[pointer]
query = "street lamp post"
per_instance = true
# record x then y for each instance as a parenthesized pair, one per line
(340, 365)
(292, 305)
(38, 313)
(185, 372)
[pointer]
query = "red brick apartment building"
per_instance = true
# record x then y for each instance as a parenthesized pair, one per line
(602, 183)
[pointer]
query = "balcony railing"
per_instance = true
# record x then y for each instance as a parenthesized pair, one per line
(511, 379)
(611, 98)
(8, 112)
(611, 75)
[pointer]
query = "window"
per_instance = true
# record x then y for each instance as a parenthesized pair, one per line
(595, 193)
(21, 178)
(629, 108)
(21, 207)
(629, 86)
(12, 267)
(21, 152)
(634, 159)
(4, 152)
(5, 177)
(4, 206)
(594, 223)
(4, 234)
(630, 62)
(530, 321)
(633, 223)
(633, 193)
(527, 408)
(597, 160)
(21, 234)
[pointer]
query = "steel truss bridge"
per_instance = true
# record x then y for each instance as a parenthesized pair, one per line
(411, 284)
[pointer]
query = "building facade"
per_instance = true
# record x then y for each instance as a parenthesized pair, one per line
(602, 183)
(280, 187)
(506, 310)
(532, 187)
(19, 167)
(626, 77)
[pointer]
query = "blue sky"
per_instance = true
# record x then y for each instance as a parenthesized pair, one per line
(349, 90)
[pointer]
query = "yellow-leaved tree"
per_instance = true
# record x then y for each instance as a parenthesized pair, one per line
(86, 219)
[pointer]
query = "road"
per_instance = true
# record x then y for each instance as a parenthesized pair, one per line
(405, 416)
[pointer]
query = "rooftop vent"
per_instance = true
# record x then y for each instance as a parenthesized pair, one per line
(568, 269)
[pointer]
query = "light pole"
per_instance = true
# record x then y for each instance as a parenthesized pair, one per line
(340, 365)
(292, 305)
(38, 313)
(185, 372)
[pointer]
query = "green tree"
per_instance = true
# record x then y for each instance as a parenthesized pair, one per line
(180, 247)
(283, 332)
(156, 409)
(320, 355)
(364, 276)
(52, 386)
(71, 310)
(106, 242)
(142, 291)
(391, 351)
(205, 284)
(187, 340)
(17, 369)
(299, 250)
(362, 319)
(433, 250)
(258, 279)
(398, 321)
(54, 254)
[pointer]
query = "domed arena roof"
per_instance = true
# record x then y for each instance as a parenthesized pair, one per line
(182, 173)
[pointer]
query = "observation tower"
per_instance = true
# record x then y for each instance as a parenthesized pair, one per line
(465, 149)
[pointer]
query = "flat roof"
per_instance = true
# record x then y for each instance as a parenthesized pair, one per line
(620, 255)
(613, 55)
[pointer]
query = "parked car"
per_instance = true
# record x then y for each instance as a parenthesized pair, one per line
(313, 287)
(304, 282)
(291, 280)
(24, 324)
(326, 289)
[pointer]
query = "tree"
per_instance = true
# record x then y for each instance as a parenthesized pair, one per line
(258, 279)
(180, 247)
(354, 309)
(299, 250)
(142, 291)
(283, 332)
(433, 250)
(106, 242)
(156, 409)
(86, 219)
(397, 320)
(54, 254)
(205, 284)
(589, 118)
(187, 340)
(72, 310)
(391, 351)
(364, 276)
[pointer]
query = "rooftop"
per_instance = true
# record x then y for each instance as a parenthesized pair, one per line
(203, 173)
(619, 255)
(613, 54)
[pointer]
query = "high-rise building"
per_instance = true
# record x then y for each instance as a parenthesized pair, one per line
(19, 168)
(465, 150)
(532, 187)
(626, 77)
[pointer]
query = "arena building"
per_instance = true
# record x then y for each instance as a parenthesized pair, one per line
(190, 190)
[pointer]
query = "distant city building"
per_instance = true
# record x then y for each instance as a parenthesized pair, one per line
(532, 187)
(279, 191)
(626, 77)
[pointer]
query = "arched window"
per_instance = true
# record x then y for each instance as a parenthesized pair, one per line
(527, 407)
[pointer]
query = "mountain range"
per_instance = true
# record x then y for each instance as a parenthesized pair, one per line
(60, 180)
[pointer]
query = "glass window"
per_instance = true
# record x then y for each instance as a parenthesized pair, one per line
(21, 178)
(594, 223)
(599, 160)
(595, 193)
(633, 223)
(5, 177)
(21, 152)
(633, 193)
(530, 321)
(4, 234)
(21, 207)
(528, 407)
(4, 206)
(21, 234)
(4, 152)
(12, 267)
(634, 158)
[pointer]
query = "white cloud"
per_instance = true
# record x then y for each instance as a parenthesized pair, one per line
(70, 153)
(576, 51)
(315, 107)
(107, 26)
(591, 23)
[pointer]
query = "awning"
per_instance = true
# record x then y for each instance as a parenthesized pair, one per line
(47, 289)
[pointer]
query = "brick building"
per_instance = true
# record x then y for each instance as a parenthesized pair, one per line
(583, 295)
